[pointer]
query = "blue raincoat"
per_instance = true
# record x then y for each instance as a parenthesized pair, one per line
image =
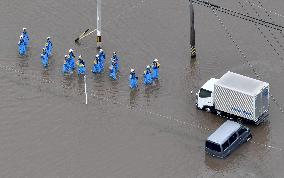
(65, 68)
(81, 69)
(155, 72)
(133, 80)
(147, 77)
(22, 47)
(112, 72)
(71, 61)
(96, 67)
(44, 59)
(100, 63)
(102, 58)
(116, 59)
(48, 47)
(26, 38)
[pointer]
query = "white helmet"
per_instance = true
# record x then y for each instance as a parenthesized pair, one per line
(80, 57)
(97, 55)
(70, 50)
(101, 50)
(43, 49)
(114, 53)
(24, 29)
(21, 36)
(48, 38)
(148, 67)
(65, 56)
(132, 70)
(155, 60)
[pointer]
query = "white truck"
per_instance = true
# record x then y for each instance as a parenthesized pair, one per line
(236, 97)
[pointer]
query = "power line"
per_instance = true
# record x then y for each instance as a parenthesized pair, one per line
(239, 15)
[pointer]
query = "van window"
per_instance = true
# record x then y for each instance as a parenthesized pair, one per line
(233, 138)
(241, 131)
(213, 146)
(225, 145)
(204, 93)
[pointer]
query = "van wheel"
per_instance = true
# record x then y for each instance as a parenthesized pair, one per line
(248, 138)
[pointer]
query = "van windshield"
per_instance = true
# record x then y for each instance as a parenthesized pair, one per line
(204, 93)
(213, 146)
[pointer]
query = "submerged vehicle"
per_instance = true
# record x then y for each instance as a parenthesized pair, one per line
(236, 97)
(228, 137)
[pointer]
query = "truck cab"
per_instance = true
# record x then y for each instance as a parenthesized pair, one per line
(204, 97)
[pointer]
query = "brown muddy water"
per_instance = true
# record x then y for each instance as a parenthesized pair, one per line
(47, 131)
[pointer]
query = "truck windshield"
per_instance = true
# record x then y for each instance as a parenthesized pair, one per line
(213, 146)
(204, 93)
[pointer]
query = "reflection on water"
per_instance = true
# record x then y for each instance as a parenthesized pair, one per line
(151, 91)
(45, 75)
(67, 83)
(81, 85)
(132, 97)
(194, 73)
(218, 164)
(114, 90)
(23, 63)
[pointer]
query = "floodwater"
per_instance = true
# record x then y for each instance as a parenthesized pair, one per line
(47, 131)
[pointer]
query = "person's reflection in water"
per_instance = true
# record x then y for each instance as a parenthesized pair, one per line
(132, 97)
(151, 91)
(81, 85)
(67, 84)
(45, 76)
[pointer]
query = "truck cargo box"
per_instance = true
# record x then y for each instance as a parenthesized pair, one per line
(242, 96)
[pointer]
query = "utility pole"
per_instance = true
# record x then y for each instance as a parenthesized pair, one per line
(99, 24)
(192, 31)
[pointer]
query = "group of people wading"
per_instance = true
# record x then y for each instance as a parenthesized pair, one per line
(69, 66)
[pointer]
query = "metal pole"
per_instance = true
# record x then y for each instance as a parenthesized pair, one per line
(192, 30)
(99, 24)
(86, 94)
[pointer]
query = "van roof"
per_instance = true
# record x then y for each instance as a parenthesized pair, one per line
(241, 83)
(224, 132)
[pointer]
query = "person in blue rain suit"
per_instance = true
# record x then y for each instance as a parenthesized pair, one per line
(21, 46)
(148, 76)
(133, 79)
(96, 66)
(71, 59)
(26, 37)
(116, 59)
(66, 68)
(44, 57)
(81, 68)
(48, 46)
(155, 67)
(102, 58)
(112, 70)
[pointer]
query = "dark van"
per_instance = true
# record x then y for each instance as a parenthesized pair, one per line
(229, 136)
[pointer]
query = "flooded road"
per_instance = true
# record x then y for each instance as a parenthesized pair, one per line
(46, 130)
